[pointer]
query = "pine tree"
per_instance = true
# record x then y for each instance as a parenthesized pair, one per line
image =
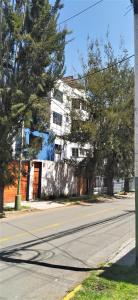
(31, 60)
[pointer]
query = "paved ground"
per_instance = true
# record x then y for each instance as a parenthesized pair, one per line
(46, 253)
(40, 205)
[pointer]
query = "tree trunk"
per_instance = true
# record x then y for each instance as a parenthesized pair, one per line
(126, 185)
(2, 201)
(110, 187)
(90, 186)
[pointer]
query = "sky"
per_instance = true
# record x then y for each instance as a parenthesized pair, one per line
(107, 15)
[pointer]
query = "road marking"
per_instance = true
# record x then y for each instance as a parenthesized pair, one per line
(72, 294)
(97, 213)
(8, 238)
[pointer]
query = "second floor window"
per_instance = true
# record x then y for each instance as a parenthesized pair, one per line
(76, 103)
(35, 142)
(82, 152)
(84, 105)
(74, 152)
(57, 118)
(57, 149)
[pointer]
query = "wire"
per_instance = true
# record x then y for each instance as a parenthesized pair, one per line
(98, 71)
(103, 69)
(128, 11)
(81, 12)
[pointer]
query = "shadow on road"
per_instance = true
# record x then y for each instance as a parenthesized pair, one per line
(48, 265)
(12, 254)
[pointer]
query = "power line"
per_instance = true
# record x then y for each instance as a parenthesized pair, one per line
(81, 12)
(103, 69)
(128, 11)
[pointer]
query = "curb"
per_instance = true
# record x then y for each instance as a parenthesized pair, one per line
(71, 294)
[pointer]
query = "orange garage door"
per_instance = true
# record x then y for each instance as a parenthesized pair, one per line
(11, 191)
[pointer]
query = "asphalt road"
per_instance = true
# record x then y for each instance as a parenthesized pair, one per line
(45, 254)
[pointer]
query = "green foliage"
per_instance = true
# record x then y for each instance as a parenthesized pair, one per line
(31, 60)
(109, 127)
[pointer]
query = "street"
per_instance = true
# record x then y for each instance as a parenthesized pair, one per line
(45, 254)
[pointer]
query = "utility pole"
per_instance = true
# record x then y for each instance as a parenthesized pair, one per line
(18, 197)
(135, 5)
(2, 214)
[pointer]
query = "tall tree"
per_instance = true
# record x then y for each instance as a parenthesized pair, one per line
(31, 59)
(109, 126)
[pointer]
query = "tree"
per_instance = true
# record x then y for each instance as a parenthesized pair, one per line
(31, 60)
(109, 127)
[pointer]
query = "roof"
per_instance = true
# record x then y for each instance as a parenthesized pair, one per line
(135, 4)
(73, 83)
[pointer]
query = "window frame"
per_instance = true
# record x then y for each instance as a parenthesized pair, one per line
(57, 116)
(77, 152)
(58, 95)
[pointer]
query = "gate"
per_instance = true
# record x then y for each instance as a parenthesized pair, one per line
(37, 180)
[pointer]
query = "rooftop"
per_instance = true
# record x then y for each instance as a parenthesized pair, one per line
(72, 82)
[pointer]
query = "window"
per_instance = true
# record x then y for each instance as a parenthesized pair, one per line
(67, 119)
(35, 142)
(75, 125)
(58, 95)
(82, 152)
(68, 98)
(57, 148)
(57, 118)
(75, 152)
(84, 105)
(76, 103)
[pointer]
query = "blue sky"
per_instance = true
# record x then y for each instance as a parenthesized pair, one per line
(107, 14)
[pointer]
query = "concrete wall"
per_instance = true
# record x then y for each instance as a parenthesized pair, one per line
(58, 179)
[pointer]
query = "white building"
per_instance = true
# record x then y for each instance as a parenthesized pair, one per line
(66, 97)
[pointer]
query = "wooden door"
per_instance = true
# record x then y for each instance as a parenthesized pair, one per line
(37, 180)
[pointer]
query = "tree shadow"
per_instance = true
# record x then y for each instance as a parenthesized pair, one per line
(14, 260)
(14, 254)
(124, 270)
(64, 233)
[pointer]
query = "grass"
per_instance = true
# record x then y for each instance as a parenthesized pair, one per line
(9, 208)
(80, 199)
(112, 283)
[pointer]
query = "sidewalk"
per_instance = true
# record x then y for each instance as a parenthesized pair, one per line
(37, 205)
(125, 255)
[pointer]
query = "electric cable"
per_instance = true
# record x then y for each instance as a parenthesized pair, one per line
(81, 12)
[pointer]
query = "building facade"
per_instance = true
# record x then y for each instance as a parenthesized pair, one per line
(65, 98)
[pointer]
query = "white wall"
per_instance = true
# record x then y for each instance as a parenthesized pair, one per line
(58, 179)
(64, 109)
